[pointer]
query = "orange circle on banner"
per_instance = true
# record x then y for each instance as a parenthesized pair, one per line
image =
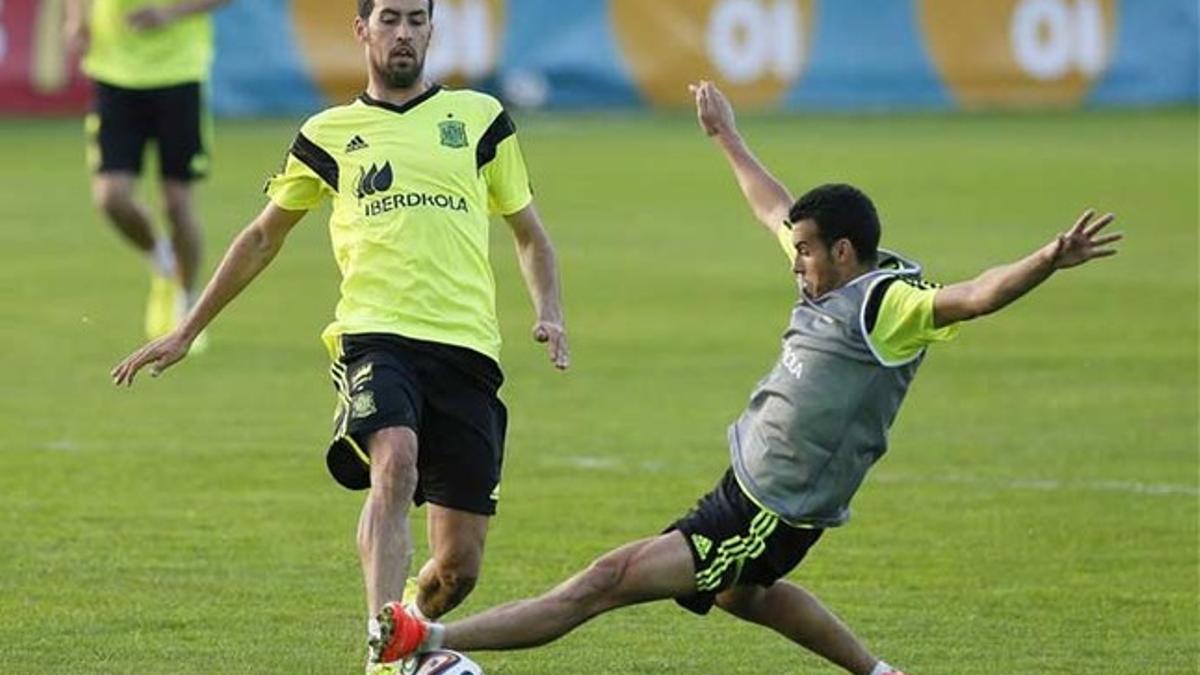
(1015, 53)
(465, 47)
(755, 50)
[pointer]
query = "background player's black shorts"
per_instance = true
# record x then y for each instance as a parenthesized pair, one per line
(735, 542)
(446, 394)
(124, 120)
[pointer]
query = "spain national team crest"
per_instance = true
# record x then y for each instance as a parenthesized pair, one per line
(454, 133)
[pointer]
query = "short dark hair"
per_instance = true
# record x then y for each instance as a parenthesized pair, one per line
(841, 211)
(365, 7)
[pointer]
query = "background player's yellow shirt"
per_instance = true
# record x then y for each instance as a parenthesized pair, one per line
(412, 189)
(179, 52)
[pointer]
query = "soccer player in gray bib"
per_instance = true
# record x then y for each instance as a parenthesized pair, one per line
(814, 426)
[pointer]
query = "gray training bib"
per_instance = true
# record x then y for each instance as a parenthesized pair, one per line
(818, 421)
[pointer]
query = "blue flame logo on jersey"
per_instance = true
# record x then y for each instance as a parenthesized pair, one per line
(377, 181)
(374, 180)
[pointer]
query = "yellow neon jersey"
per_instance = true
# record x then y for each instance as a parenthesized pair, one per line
(904, 325)
(176, 53)
(412, 188)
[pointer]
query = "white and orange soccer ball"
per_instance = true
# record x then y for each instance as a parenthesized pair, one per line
(446, 662)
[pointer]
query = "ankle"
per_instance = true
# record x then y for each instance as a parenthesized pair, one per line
(162, 258)
(434, 637)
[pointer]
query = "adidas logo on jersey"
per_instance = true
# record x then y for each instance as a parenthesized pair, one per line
(356, 143)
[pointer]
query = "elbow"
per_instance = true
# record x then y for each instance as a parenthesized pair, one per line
(260, 241)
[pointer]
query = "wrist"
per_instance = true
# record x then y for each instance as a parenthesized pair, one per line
(1048, 256)
(728, 138)
(187, 331)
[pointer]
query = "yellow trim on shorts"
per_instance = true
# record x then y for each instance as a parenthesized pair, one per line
(752, 498)
(737, 550)
(366, 459)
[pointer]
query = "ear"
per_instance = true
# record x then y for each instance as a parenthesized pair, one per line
(843, 251)
(360, 29)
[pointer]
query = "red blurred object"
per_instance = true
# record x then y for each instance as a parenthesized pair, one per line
(37, 76)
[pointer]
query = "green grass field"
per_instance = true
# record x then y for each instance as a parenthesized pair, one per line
(1037, 513)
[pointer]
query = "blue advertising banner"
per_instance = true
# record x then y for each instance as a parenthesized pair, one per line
(296, 56)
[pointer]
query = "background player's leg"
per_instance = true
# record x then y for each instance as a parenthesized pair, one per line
(650, 569)
(799, 616)
(456, 540)
(179, 123)
(384, 541)
(117, 131)
(114, 194)
(185, 232)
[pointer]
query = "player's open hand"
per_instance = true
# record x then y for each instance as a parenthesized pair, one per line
(1083, 241)
(554, 334)
(159, 354)
(712, 108)
(149, 18)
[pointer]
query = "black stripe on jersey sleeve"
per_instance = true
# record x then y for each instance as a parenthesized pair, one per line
(871, 312)
(501, 128)
(314, 157)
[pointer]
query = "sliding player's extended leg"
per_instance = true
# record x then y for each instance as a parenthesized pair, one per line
(650, 569)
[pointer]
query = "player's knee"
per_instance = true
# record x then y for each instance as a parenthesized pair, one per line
(393, 464)
(113, 198)
(457, 579)
(178, 204)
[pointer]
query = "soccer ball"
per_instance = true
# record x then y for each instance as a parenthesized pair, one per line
(446, 662)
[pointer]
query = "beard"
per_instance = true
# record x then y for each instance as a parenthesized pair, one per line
(401, 76)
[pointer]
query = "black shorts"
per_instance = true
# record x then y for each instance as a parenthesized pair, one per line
(446, 394)
(124, 120)
(735, 542)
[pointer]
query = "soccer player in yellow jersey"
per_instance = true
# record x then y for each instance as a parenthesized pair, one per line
(148, 61)
(413, 171)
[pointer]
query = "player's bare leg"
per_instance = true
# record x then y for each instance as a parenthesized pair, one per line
(456, 541)
(650, 569)
(799, 616)
(114, 194)
(186, 238)
(384, 540)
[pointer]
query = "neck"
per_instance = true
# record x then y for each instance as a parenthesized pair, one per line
(380, 91)
(851, 272)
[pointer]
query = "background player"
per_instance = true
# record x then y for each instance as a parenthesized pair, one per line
(149, 61)
(813, 427)
(412, 170)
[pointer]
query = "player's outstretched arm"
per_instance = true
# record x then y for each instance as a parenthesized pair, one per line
(768, 198)
(540, 269)
(999, 286)
(249, 254)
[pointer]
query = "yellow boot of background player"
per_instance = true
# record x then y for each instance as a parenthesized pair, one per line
(165, 309)
(160, 306)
